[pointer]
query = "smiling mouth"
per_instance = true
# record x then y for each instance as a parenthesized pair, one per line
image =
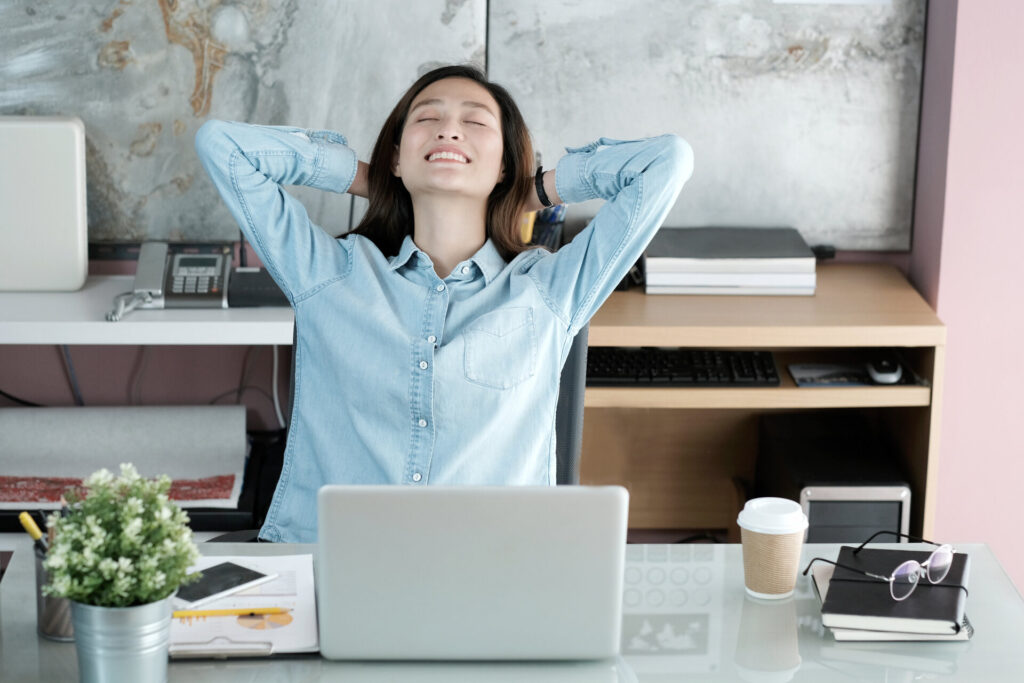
(447, 156)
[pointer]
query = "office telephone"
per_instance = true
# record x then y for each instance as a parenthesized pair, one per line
(166, 279)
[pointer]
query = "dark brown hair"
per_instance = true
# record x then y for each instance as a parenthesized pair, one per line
(390, 217)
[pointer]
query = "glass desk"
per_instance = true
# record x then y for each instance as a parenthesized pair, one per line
(686, 617)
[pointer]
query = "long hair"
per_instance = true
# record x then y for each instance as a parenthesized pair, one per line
(390, 216)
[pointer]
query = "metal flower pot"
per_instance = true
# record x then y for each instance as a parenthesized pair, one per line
(122, 643)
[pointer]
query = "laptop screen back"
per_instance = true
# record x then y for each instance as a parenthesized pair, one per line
(470, 572)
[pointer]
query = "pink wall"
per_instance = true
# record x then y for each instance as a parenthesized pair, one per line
(981, 463)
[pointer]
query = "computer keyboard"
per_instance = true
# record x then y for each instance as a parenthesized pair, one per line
(617, 366)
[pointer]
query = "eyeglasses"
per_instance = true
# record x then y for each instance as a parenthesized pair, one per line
(904, 579)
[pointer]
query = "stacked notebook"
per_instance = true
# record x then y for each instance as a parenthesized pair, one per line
(742, 261)
(856, 607)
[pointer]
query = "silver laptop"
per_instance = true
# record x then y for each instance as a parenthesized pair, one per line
(476, 573)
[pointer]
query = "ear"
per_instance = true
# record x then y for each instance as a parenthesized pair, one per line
(396, 169)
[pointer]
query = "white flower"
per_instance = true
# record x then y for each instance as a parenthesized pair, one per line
(132, 531)
(99, 478)
(133, 505)
(129, 474)
(107, 568)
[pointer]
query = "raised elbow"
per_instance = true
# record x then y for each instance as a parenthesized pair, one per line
(680, 154)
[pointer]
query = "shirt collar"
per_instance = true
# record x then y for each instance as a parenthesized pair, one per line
(405, 253)
(487, 258)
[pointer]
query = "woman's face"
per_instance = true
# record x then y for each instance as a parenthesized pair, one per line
(451, 142)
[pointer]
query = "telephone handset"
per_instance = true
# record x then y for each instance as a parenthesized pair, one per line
(167, 279)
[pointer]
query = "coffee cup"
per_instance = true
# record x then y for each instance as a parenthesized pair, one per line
(772, 534)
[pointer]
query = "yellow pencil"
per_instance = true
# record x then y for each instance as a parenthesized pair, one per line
(240, 612)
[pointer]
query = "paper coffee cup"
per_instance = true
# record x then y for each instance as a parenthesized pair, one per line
(772, 533)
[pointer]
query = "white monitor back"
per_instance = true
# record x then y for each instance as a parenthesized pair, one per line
(43, 236)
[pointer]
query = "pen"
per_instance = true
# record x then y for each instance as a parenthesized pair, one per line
(32, 528)
(240, 612)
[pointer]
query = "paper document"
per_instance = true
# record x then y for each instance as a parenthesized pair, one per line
(258, 634)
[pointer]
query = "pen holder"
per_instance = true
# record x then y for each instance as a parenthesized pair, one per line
(53, 615)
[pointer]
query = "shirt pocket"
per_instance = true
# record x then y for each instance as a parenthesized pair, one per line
(501, 348)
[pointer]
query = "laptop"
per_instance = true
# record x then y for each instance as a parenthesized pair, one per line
(470, 573)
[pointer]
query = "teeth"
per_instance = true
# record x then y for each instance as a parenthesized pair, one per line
(447, 155)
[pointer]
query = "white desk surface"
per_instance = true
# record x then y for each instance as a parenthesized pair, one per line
(730, 637)
(80, 318)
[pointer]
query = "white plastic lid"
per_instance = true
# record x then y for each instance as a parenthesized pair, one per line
(772, 516)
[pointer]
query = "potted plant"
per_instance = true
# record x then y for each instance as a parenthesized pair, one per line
(120, 552)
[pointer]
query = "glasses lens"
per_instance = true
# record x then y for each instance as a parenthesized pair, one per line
(939, 563)
(904, 580)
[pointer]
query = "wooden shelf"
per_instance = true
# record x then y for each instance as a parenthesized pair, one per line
(855, 305)
(758, 398)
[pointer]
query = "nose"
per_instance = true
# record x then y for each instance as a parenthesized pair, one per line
(449, 129)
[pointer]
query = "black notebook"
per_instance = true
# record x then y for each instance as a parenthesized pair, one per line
(855, 601)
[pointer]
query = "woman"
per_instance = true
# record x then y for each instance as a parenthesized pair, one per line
(429, 341)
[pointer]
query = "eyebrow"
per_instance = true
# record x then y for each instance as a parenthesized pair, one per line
(467, 103)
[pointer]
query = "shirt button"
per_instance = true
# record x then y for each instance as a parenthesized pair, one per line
(417, 476)
(440, 287)
(431, 339)
(422, 422)
(465, 269)
(423, 365)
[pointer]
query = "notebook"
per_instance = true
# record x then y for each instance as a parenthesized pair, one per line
(470, 573)
(855, 601)
(729, 250)
(821, 576)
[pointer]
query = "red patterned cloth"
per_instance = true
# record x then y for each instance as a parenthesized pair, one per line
(49, 489)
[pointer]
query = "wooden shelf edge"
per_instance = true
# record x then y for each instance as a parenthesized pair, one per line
(760, 398)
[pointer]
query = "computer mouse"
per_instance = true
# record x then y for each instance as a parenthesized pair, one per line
(885, 370)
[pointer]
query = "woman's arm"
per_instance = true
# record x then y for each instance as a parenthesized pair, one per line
(360, 186)
(640, 179)
(549, 189)
(250, 164)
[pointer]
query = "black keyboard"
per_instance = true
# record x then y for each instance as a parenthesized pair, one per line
(617, 366)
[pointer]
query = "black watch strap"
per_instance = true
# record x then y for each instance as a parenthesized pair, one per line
(539, 181)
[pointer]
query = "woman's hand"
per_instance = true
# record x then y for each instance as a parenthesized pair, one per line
(533, 203)
(360, 186)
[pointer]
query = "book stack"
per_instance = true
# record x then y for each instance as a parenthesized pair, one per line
(856, 607)
(742, 261)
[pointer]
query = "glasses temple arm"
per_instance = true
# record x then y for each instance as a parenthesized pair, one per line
(894, 533)
(845, 566)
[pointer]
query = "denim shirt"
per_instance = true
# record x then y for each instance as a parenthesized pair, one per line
(404, 377)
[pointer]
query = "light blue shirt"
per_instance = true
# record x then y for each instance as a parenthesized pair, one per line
(402, 377)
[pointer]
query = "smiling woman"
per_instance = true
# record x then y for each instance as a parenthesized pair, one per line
(455, 110)
(429, 341)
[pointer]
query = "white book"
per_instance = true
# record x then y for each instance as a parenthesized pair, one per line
(734, 291)
(733, 279)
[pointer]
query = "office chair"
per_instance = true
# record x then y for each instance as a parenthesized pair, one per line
(568, 422)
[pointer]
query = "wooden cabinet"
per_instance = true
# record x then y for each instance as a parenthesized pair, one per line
(683, 452)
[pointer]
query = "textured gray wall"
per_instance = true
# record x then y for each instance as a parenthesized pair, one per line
(144, 76)
(802, 115)
(799, 114)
